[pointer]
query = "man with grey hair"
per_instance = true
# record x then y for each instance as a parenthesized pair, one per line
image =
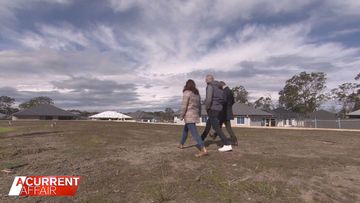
(214, 105)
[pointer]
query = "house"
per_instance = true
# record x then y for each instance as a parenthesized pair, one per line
(285, 118)
(43, 112)
(321, 119)
(322, 115)
(177, 117)
(144, 117)
(111, 115)
(354, 114)
(2, 116)
(244, 115)
(203, 117)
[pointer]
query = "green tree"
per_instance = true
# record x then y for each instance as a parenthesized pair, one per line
(264, 103)
(35, 102)
(240, 94)
(346, 95)
(357, 103)
(6, 104)
(358, 85)
(303, 93)
(168, 114)
(357, 98)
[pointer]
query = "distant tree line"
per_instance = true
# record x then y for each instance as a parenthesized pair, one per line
(305, 92)
(7, 107)
(7, 104)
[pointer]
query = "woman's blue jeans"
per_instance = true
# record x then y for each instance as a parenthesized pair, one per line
(194, 133)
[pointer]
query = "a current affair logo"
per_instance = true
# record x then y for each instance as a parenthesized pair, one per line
(44, 186)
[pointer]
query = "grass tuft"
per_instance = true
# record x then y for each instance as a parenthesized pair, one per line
(5, 129)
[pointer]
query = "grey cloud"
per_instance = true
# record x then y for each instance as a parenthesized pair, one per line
(80, 13)
(99, 95)
(92, 85)
(87, 93)
(80, 100)
(303, 63)
(142, 36)
(50, 62)
(147, 86)
(274, 67)
(239, 72)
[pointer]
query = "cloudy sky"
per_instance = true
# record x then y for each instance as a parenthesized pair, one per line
(132, 54)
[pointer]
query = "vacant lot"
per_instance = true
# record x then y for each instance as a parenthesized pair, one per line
(132, 162)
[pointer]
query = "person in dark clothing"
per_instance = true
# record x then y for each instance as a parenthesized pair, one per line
(227, 112)
(207, 129)
(214, 105)
(225, 117)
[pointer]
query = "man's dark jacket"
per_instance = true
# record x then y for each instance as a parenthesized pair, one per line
(227, 108)
(214, 99)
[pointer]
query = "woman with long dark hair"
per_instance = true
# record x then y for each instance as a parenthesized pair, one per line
(190, 112)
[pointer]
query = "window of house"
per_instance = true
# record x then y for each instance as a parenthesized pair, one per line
(240, 120)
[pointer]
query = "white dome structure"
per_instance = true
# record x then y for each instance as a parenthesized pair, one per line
(111, 115)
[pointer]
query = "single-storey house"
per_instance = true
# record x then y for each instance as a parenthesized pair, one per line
(111, 115)
(203, 117)
(321, 119)
(177, 117)
(322, 115)
(2, 116)
(244, 115)
(286, 118)
(354, 114)
(143, 117)
(43, 112)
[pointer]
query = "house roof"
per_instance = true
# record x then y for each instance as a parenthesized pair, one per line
(354, 113)
(141, 115)
(110, 114)
(283, 113)
(322, 115)
(240, 109)
(44, 110)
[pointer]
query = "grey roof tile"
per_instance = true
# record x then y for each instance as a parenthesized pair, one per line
(44, 110)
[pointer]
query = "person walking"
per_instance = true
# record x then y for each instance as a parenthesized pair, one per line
(207, 130)
(227, 112)
(190, 113)
(214, 105)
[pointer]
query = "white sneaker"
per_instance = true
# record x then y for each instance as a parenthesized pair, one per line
(225, 148)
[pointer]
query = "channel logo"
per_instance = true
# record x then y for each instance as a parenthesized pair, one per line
(44, 186)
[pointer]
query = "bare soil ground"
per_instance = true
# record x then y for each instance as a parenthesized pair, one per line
(133, 162)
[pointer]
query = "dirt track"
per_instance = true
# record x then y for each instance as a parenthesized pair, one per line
(131, 162)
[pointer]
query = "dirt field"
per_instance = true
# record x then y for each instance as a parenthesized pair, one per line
(132, 162)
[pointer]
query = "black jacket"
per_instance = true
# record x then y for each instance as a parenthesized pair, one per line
(227, 108)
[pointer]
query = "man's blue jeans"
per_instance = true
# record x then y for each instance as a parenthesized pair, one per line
(194, 133)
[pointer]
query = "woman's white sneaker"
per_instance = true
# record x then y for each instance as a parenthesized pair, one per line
(225, 148)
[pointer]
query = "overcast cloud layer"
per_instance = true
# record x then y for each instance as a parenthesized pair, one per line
(132, 54)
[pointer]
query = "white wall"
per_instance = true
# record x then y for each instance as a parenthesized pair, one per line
(289, 123)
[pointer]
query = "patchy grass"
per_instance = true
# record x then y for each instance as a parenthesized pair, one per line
(132, 162)
(5, 129)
